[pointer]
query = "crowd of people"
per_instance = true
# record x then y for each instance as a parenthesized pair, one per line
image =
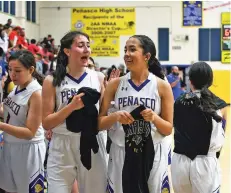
(79, 109)
(13, 38)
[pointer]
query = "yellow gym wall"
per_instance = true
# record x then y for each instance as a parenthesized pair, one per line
(221, 84)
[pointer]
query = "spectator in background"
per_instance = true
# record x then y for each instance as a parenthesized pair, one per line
(14, 35)
(97, 68)
(49, 37)
(32, 47)
(174, 81)
(22, 40)
(39, 45)
(2, 73)
(52, 43)
(39, 63)
(45, 51)
(183, 87)
(91, 63)
(45, 64)
(9, 22)
(4, 39)
(121, 69)
(44, 42)
(53, 64)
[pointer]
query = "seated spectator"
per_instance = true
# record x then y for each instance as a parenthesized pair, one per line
(39, 63)
(4, 39)
(14, 35)
(32, 47)
(22, 40)
(45, 51)
(9, 22)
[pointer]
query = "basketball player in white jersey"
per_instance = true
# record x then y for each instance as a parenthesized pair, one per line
(195, 168)
(64, 164)
(23, 153)
(143, 85)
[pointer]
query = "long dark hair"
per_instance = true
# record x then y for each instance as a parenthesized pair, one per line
(201, 77)
(27, 59)
(1, 34)
(5, 88)
(149, 47)
(62, 59)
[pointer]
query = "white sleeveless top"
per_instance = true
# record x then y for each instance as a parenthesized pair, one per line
(70, 87)
(128, 97)
(16, 110)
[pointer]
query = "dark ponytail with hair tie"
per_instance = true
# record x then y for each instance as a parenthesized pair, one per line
(155, 68)
(201, 77)
(38, 77)
(208, 104)
(60, 72)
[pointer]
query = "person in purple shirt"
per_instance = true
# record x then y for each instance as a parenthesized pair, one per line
(174, 80)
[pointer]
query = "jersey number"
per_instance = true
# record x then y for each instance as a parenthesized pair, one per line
(8, 118)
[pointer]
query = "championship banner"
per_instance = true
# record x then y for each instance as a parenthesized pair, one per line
(225, 37)
(104, 26)
(192, 13)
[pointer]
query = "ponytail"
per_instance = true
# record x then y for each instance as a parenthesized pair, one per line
(38, 77)
(60, 71)
(208, 105)
(155, 67)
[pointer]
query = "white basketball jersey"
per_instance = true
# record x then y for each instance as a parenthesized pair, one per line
(16, 111)
(70, 87)
(218, 136)
(128, 97)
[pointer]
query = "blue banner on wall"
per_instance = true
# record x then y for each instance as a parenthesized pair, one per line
(192, 13)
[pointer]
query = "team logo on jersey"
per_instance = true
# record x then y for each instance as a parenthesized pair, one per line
(37, 185)
(136, 134)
